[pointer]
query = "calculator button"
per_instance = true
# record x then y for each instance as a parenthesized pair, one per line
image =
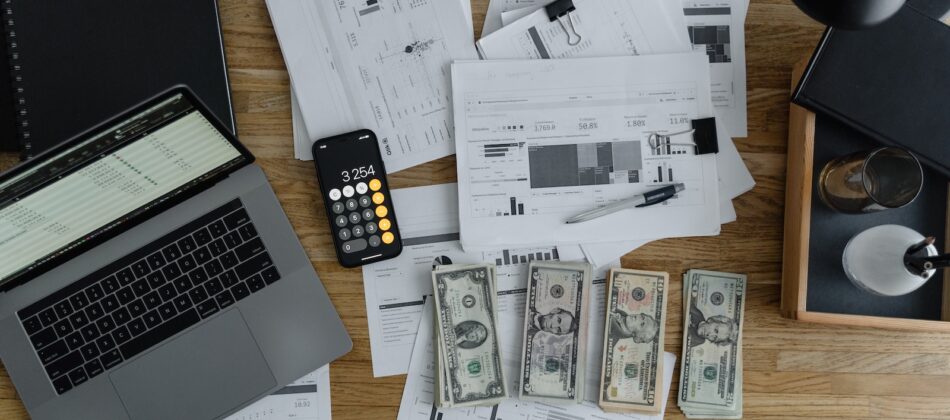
(378, 198)
(361, 188)
(338, 207)
(344, 234)
(374, 241)
(348, 191)
(341, 221)
(335, 194)
(365, 201)
(388, 238)
(358, 231)
(355, 245)
(375, 185)
(351, 204)
(354, 218)
(367, 214)
(371, 228)
(382, 211)
(385, 224)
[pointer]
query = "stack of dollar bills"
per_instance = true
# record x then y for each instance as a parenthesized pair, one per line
(632, 369)
(711, 372)
(469, 369)
(554, 350)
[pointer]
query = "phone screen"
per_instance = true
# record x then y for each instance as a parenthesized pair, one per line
(359, 208)
(348, 161)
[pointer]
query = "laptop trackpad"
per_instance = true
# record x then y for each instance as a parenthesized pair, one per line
(200, 375)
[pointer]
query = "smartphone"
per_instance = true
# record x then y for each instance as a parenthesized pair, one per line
(356, 195)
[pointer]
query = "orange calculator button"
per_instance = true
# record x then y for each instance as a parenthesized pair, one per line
(378, 198)
(388, 238)
(385, 224)
(375, 185)
(381, 211)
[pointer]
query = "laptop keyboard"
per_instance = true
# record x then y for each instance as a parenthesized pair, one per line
(92, 325)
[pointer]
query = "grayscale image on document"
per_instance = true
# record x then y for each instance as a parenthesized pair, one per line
(717, 28)
(539, 141)
(396, 289)
(377, 65)
(306, 399)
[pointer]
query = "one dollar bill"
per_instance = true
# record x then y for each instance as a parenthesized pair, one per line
(633, 341)
(470, 356)
(555, 332)
(711, 373)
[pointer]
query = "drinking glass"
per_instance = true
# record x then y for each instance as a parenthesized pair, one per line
(874, 180)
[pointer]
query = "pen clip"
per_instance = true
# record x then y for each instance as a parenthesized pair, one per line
(658, 196)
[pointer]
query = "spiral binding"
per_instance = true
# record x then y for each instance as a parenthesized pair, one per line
(22, 117)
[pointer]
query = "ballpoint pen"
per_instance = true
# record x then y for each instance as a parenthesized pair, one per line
(648, 198)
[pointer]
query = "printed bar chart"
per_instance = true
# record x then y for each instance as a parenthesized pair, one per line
(510, 258)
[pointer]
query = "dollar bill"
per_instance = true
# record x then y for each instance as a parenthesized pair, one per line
(553, 354)
(711, 370)
(471, 365)
(633, 341)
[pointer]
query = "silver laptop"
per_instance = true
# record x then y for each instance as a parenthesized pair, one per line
(147, 271)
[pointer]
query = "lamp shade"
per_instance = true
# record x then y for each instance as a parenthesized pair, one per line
(850, 14)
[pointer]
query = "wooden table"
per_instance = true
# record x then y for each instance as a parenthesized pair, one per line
(792, 369)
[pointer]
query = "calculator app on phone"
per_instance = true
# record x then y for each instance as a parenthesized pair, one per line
(359, 208)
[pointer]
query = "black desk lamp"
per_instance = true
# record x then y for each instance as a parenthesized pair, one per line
(850, 14)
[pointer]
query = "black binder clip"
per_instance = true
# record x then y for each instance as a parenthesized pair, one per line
(559, 10)
(703, 133)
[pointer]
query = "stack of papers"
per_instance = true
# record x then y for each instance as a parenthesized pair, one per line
(376, 65)
(635, 27)
(540, 141)
(557, 118)
(399, 290)
(618, 28)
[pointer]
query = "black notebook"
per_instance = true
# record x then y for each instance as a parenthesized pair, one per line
(890, 82)
(75, 63)
(8, 134)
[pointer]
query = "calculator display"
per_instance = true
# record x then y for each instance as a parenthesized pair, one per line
(356, 174)
(354, 188)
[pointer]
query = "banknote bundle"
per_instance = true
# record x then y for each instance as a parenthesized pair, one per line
(711, 371)
(469, 370)
(554, 350)
(632, 369)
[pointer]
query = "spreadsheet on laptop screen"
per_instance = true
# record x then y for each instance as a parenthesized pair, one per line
(101, 182)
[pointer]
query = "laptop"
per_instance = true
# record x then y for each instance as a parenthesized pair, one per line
(147, 271)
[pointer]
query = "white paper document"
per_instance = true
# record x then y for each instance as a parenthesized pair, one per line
(377, 65)
(512, 15)
(664, 24)
(306, 399)
(493, 20)
(539, 141)
(606, 28)
(717, 28)
(395, 289)
(418, 397)
(302, 141)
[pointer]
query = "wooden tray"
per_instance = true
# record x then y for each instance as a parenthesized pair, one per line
(812, 290)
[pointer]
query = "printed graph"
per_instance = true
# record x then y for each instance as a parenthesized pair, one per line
(573, 165)
(510, 257)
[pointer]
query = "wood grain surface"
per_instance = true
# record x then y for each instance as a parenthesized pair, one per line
(793, 370)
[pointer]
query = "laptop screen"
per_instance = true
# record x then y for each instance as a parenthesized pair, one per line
(98, 184)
